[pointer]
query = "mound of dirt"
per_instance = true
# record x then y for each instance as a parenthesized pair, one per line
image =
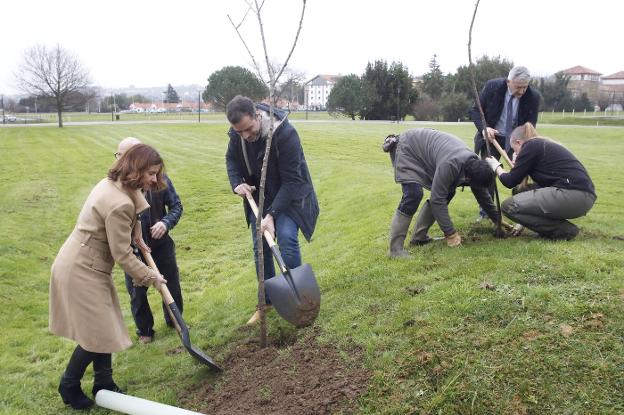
(300, 377)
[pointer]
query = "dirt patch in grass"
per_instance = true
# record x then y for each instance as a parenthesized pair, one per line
(297, 376)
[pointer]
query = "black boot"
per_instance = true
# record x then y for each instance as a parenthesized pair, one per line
(109, 387)
(73, 395)
(103, 374)
(69, 387)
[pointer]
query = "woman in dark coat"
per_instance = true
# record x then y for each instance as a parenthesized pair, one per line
(563, 189)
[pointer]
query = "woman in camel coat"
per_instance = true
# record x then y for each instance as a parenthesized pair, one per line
(84, 305)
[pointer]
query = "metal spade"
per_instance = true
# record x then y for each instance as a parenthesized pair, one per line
(294, 293)
(178, 321)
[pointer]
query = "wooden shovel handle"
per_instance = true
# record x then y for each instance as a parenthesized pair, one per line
(164, 291)
(254, 209)
(502, 153)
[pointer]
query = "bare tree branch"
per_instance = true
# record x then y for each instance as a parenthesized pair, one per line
(294, 42)
(472, 72)
(499, 223)
(244, 17)
(253, 59)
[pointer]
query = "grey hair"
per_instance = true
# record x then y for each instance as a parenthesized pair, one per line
(519, 73)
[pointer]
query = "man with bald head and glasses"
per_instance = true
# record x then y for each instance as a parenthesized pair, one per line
(156, 222)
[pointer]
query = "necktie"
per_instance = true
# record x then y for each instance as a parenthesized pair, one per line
(509, 124)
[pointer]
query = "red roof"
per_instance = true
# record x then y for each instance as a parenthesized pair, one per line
(617, 75)
(580, 70)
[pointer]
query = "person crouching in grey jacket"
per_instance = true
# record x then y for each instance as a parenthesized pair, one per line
(439, 162)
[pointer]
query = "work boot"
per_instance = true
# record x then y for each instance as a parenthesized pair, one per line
(256, 316)
(398, 231)
(72, 393)
(423, 222)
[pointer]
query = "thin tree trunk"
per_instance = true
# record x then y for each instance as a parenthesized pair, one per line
(60, 114)
(272, 82)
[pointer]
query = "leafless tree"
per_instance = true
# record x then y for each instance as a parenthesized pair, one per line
(473, 78)
(54, 73)
(291, 86)
(274, 72)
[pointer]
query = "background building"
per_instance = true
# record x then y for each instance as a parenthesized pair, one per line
(317, 91)
(583, 80)
(612, 91)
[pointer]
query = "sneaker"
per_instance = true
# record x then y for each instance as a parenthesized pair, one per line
(481, 216)
(146, 339)
(256, 316)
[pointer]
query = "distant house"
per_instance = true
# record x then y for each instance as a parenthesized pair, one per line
(152, 107)
(317, 91)
(583, 81)
(612, 90)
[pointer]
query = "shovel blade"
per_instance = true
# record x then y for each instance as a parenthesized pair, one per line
(186, 339)
(296, 300)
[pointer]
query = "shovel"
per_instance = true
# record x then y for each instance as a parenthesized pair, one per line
(178, 321)
(294, 293)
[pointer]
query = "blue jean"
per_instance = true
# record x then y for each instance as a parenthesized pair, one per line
(412, 195)
(287, 235)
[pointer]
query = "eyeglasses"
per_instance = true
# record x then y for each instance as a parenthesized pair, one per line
(117, 155)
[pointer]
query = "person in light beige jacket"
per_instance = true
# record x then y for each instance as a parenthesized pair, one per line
(84, 305)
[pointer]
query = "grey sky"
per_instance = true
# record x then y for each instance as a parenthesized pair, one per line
(156, 42)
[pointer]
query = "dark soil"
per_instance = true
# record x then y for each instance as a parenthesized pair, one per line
(296, 376)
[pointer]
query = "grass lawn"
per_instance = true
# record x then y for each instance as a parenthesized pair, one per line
(590, 118)
(548, 338)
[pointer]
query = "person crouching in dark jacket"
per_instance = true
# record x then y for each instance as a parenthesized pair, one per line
(439, 162)
(563, 188)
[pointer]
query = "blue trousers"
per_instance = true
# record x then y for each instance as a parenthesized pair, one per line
(412, 195)
(287, 235)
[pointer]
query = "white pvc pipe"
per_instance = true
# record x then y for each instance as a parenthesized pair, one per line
(136, 406)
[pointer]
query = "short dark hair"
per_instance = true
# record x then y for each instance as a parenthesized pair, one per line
(238, 107)
(133, 163)
(479, 172)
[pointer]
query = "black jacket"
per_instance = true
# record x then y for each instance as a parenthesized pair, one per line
(288, 187)
(165, 205)
(492, 99)
(550, 165)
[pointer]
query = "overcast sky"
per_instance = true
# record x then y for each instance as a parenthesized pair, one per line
(155, 42)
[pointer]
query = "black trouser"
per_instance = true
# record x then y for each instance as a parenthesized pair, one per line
(412, 195)
(78, 363)
(481, 149)
(165, 259)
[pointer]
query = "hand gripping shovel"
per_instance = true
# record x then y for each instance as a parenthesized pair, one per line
(178, 321)
(294, 293)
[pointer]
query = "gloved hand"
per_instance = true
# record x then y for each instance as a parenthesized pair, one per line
(508, 226)
(517, 230)
(453, 240)
(493, 163)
